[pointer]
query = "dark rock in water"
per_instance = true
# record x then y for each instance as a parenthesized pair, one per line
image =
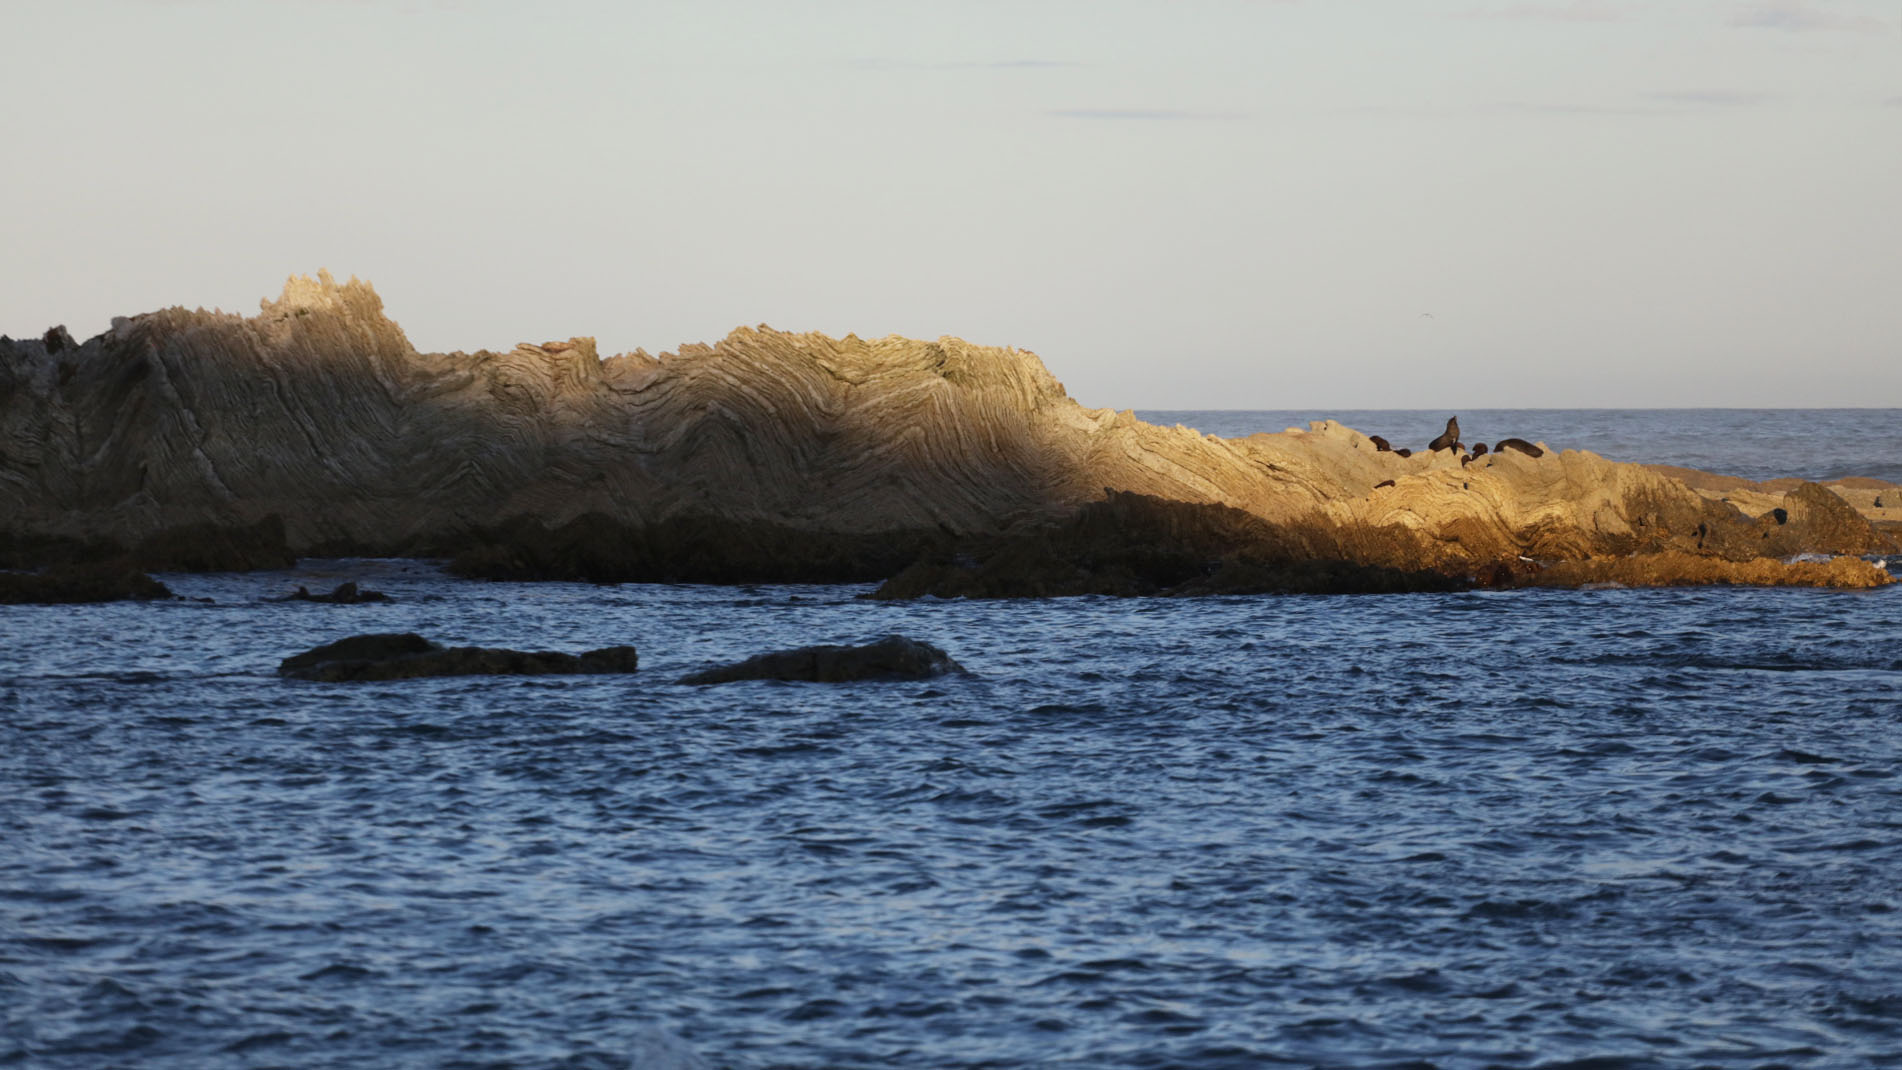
(403, 656)
(1519, 444)
(891, 658)
(345, 594)
(105, 581)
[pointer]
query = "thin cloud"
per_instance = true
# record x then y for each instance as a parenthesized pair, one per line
(1536, 108)
(1020, 64)
(1141, 114)
(1804, 16)
(1711, 98)
(1576, 11)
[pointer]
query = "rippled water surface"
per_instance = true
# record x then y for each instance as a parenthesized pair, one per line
(1486, 829)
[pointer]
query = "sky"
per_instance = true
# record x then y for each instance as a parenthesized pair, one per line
(1187, 204)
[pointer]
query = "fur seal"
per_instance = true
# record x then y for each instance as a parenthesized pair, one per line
(1448, 440)
(1381, 445)
(1383, 483)
(1479, 449)
(1519, 444)
(1403, 453)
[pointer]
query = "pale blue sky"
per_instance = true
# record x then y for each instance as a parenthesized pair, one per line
(1202, 203)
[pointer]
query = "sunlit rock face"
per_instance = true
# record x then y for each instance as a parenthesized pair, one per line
(318, 410)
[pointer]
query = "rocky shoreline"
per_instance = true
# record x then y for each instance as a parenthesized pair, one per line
(194, 441)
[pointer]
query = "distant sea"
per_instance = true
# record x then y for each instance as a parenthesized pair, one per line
(1485, 829)
(1752, 443)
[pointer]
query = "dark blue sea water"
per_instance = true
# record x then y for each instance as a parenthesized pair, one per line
(1618, 828)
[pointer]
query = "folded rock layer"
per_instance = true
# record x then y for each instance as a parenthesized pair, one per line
(318, 411)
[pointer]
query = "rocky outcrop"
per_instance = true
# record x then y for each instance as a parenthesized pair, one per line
(891, 658)
(1874, 500)
(404, 656)
(106, 581)
(1675, 568)
(768, 455)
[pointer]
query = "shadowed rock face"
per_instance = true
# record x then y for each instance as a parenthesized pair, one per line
(1133, 545)
(891, 658)
(686, 549)
(403, 656)
(766, 456)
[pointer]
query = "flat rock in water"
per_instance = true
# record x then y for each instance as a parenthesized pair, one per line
(891, 658)
(403, 656)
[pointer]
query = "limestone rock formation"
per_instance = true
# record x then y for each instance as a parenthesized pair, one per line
(404, 656)
(768, 455)
(891, 658)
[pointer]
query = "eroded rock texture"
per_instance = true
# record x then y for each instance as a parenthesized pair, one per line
(766, 455)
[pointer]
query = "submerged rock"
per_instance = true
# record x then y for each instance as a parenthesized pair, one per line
(891, 658)
(344, 594)
(402, 656)
(107, 581)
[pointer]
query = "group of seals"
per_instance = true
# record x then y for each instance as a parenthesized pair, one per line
(1450, 440)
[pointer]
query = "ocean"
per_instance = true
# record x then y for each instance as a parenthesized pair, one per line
(1609, 828)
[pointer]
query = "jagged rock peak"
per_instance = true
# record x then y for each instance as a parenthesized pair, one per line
(301, 292)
